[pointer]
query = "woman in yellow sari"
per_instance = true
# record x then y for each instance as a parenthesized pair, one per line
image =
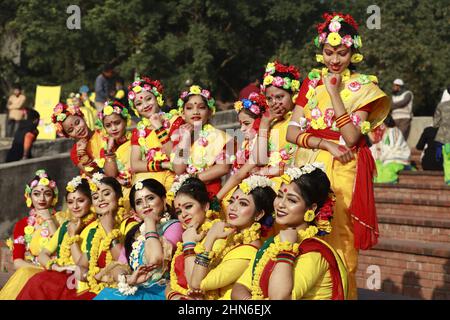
(32, 233)
(201, 149)
(280, 86)
(336, 107)
(70, 123)
(115, 153)
(150, 141)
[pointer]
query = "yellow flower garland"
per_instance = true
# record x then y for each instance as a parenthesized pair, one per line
(271, 253)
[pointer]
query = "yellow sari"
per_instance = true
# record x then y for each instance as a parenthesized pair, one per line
(359, 91)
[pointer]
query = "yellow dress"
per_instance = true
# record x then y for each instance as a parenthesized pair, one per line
(342, 176)
(152, 144)
(89, 117)
(311, 278)
(220, 280)
(87, 235)
(18, 280)
(94, 146)
(281, 152)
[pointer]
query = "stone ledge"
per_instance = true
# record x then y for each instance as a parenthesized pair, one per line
(410, 186)
(414, 247)
(415, 221)
(417, 202)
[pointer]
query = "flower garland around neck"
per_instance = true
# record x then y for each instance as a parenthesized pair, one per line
(197, 162)
(321, 120)
(33, 223)
(271, 253)
(65, 255)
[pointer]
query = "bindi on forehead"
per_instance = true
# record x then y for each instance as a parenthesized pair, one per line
(285, 190)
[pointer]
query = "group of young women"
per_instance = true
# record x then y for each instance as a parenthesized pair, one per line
(149, 216)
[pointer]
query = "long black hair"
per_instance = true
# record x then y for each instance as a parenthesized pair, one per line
(314, 188)
(264, 198)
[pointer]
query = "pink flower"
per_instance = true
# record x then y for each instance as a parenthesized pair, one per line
(334, 26)
(31, 220)
(313, 83)
(191, 169)
(203, 141)
(284, 154)
(278, 81)
(141, 133)
(131, 95)
(34, 183)
(316, 113)
(166, 124)
(322, 37)
(151, 154)
(135, 83)
(355, 119)
(347, 40)
(59, 108)
(255, 109)
(116, 109)
(147, 87)
(252, 95)
(184, 94)
(354, 86)
(329, 113)
(45, 233)
(52, 184)
(206, 93)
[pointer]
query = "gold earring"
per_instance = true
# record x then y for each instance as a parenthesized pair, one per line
(309, 215)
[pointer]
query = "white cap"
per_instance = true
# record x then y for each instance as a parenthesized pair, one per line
(399, 82)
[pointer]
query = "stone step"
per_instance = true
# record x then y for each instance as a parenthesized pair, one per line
(414, 228)
(430, 209)
(412, 268)
(422, 178)
(408, 191)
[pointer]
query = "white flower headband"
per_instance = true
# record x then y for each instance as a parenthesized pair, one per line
(73, 184)
(255, 181)
(95, 181)
(180, 180)
(138, 185)
(295, 173)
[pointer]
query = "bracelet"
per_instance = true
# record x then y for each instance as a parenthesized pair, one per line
(286, 257)
(202, 259)
(343, 120)
(172, 294)
(151, 235)
(154, 166)
(318, 146)
(163, 136)
(74, 239)
(189, 244)
(304, 140)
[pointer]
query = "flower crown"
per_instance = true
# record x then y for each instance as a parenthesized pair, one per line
(180, 180)
(138, 185)
(333, 21)
(41, 180)
(60, 113)
(109, 108)
(255, 181)
(295, 173)
(94, 182)
(323, 217)
(290, 82)
(256, 104)
(73, 184)
(145, 84)
(196, 90)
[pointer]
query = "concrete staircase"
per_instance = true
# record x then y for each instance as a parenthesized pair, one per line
(413, 253)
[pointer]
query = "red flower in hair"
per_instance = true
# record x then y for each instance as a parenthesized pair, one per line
(287, 69)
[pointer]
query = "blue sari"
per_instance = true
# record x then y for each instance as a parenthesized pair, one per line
(154, 288)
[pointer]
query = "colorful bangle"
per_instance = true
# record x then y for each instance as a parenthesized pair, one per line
(172, 294)
(304, 140)
(343, 120)
(202, 259)
(154, 166)
(151, 235)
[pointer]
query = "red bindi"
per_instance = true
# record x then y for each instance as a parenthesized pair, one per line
(237, 197)
(285, 190)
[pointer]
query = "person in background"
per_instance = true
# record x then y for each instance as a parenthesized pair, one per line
(103, 86)
(16, 109)
(87, 98)
(24, 137)
(391, 153)
(402, 106)
(427, 143)
(441, 120)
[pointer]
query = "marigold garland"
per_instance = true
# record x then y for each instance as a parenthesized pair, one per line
(271, 253)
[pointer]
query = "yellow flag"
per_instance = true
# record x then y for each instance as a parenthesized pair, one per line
(46, 99)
